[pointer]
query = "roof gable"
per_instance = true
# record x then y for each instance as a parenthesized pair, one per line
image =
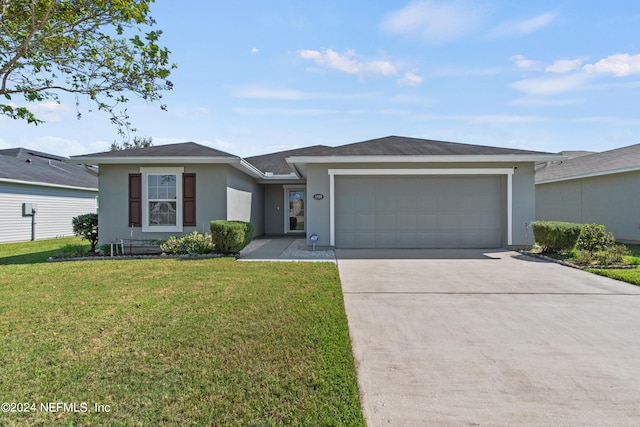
(613, 161)
(276, 162)
(183, 149)
(402, 146)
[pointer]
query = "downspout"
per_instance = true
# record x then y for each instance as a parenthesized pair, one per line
(33, 225)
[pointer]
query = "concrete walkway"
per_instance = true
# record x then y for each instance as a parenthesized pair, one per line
(478, 338)
(284, 249)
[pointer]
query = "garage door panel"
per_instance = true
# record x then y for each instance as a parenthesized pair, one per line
(365, 201)
(419, 212)
(407, 221)
(385, 221)
(366, 222)
(426, 220)
(346, 221)
(366, 240)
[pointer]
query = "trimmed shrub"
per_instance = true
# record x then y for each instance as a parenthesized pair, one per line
(554, 236)
(594, 238)
(87, 226)
(191, 244)
(231, 236)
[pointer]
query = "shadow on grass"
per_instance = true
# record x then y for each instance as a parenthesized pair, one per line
(30, 258)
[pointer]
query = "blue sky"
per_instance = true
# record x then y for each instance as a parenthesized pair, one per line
(256, 77)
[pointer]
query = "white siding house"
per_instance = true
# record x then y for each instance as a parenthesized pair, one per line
(42, 183)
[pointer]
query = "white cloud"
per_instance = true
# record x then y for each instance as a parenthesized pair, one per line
(255, 50)
(524, 63)
(56, 145)
(434, 21)
(50, 111)
(527, 26)
(619, 65)
(485, 118)
(449, 71)
(261, 92)
(543, 102)
(347, 62)
(564, 66)
(550, 85)
(285, 111)
(410, 79)
(256, 92)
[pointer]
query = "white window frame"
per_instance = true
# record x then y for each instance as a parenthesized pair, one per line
(177, 171)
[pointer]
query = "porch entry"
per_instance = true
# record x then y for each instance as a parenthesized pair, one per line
(295, 200)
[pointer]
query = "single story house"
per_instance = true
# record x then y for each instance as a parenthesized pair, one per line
(40, 194)
(601, 188)
(391, 192)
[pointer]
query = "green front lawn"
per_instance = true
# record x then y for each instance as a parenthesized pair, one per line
(174, 342)
(38, 251)
(626, 275)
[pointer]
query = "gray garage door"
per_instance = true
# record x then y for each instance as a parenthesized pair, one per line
(419, 212)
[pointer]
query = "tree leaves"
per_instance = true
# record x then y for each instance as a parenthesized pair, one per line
(95, 48)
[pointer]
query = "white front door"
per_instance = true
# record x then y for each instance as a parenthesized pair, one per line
(295, 201)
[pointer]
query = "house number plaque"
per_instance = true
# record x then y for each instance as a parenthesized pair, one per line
(318, 196)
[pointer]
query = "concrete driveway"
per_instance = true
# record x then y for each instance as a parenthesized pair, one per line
(478, 338)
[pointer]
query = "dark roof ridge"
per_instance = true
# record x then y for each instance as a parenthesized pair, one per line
(178, 149)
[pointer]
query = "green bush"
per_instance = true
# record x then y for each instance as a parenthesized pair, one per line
(87, 226)
(554, 236)
(191, 244)
(613, 255)
(594, 238)
(231, 236)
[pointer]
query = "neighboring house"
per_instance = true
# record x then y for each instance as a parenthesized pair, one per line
(391, 192)
(40, 194)
(602, 188)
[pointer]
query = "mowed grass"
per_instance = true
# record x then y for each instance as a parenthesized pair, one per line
(170, 342)
(626, 275)
(38, 251)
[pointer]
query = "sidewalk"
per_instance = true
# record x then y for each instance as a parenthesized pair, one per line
(284, 249)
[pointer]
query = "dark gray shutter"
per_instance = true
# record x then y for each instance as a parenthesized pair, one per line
(135, 200)
(189, 199)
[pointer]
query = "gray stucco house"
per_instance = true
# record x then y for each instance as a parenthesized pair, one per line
(391, 192)
(601, 188)
(40, 194)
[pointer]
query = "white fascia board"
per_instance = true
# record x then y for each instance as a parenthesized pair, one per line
(450, 171)
(428, 159)
(46, 184)
(590, 175)
(167, 160)
(247, 168)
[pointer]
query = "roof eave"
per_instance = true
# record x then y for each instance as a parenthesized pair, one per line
(47, 184)
(155, 160)
(427, 159)
(589, 175)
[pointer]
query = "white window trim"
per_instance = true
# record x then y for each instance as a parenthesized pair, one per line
(287, 188)
(178, 171)
(399, 172)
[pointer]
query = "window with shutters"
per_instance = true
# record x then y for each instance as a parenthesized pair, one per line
(162, 199)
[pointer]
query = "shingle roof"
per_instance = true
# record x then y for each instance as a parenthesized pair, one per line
(402, 146)
(183, 149)
(22, 164)
(612, 161)
(276, 163)
(579, 153)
